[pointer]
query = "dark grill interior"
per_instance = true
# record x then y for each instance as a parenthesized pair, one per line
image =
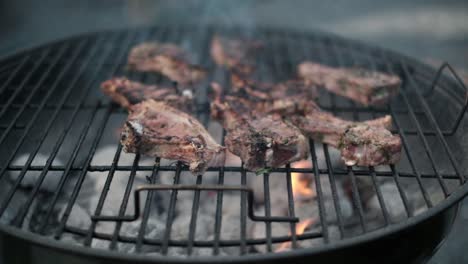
(51, 106)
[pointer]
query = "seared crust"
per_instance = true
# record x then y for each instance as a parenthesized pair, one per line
(167, 59)
(244, 86)
(260, 140)
(319, 125)
(327, 128)
(128, 93)
(361, 85)
(367, 143)
(157, 129)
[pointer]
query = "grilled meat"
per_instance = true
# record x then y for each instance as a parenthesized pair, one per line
(259, 140)
(167, 59)
(361, 85)
(367, 143)
(269, 91)
(293, 105)
(377, 146)
(235, 54)
(127, 93)
(157, 129)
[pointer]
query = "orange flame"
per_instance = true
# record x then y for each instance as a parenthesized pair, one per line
(301, 227)
(301, 182)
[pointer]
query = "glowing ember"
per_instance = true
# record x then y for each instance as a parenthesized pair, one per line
(301, 182)
(301, 227)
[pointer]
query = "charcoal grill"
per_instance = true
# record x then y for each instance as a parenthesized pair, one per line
(51, 105)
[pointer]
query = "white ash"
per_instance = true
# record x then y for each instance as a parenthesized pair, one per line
(344, 202)
(278, 190)
(79, 217)
(392, 200)
(181, 226)
(258, 231)
(154, 230)
(100, 244)
(31, 177)
(14, 206)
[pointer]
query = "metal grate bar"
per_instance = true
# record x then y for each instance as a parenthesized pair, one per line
(322, 55)
(336, 199)
(355, 190)
(407, 151)
(31, 93)
(404, 140)
(25, 133)
(201, 98)
(22, 213)
(147, 209)
(243, 218)
(395, 174)
(24, 210)
(337, 171)
(425, 143)
(61, 183)
(87, 242)
(219, 211)
(292, 225)
(78, 145)
(266, 194)
(420, 135)
(103, 195)
(431, 118)
(287, 66)
(18, 113)
(380, 197)
(80, 180)
(171, 212)
(123, 206)
(357, 199)
(219, 203)
(13, 74)
(153, 34)
(318, 187)
(193, 219)
(22, 85)
(91, 153)
(183, 243)
(403, 197)
(52, 105)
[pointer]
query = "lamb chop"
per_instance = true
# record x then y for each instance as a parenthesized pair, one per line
(367, 143)
(261, 141)
(157, 129)
(361, 85)
(127, 93)
(167, 59)
(272, 91)
(376, 146)
(235, 54)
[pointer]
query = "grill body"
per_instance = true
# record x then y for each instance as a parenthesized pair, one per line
(411, 245)
(60, 82)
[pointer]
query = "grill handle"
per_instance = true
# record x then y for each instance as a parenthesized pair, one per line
(182, 187)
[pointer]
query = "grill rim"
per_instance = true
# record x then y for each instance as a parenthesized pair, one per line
(448, 203)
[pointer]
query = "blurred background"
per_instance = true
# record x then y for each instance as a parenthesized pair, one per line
(432, 31)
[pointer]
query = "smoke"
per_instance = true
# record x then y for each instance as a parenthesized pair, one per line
(210, 12)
